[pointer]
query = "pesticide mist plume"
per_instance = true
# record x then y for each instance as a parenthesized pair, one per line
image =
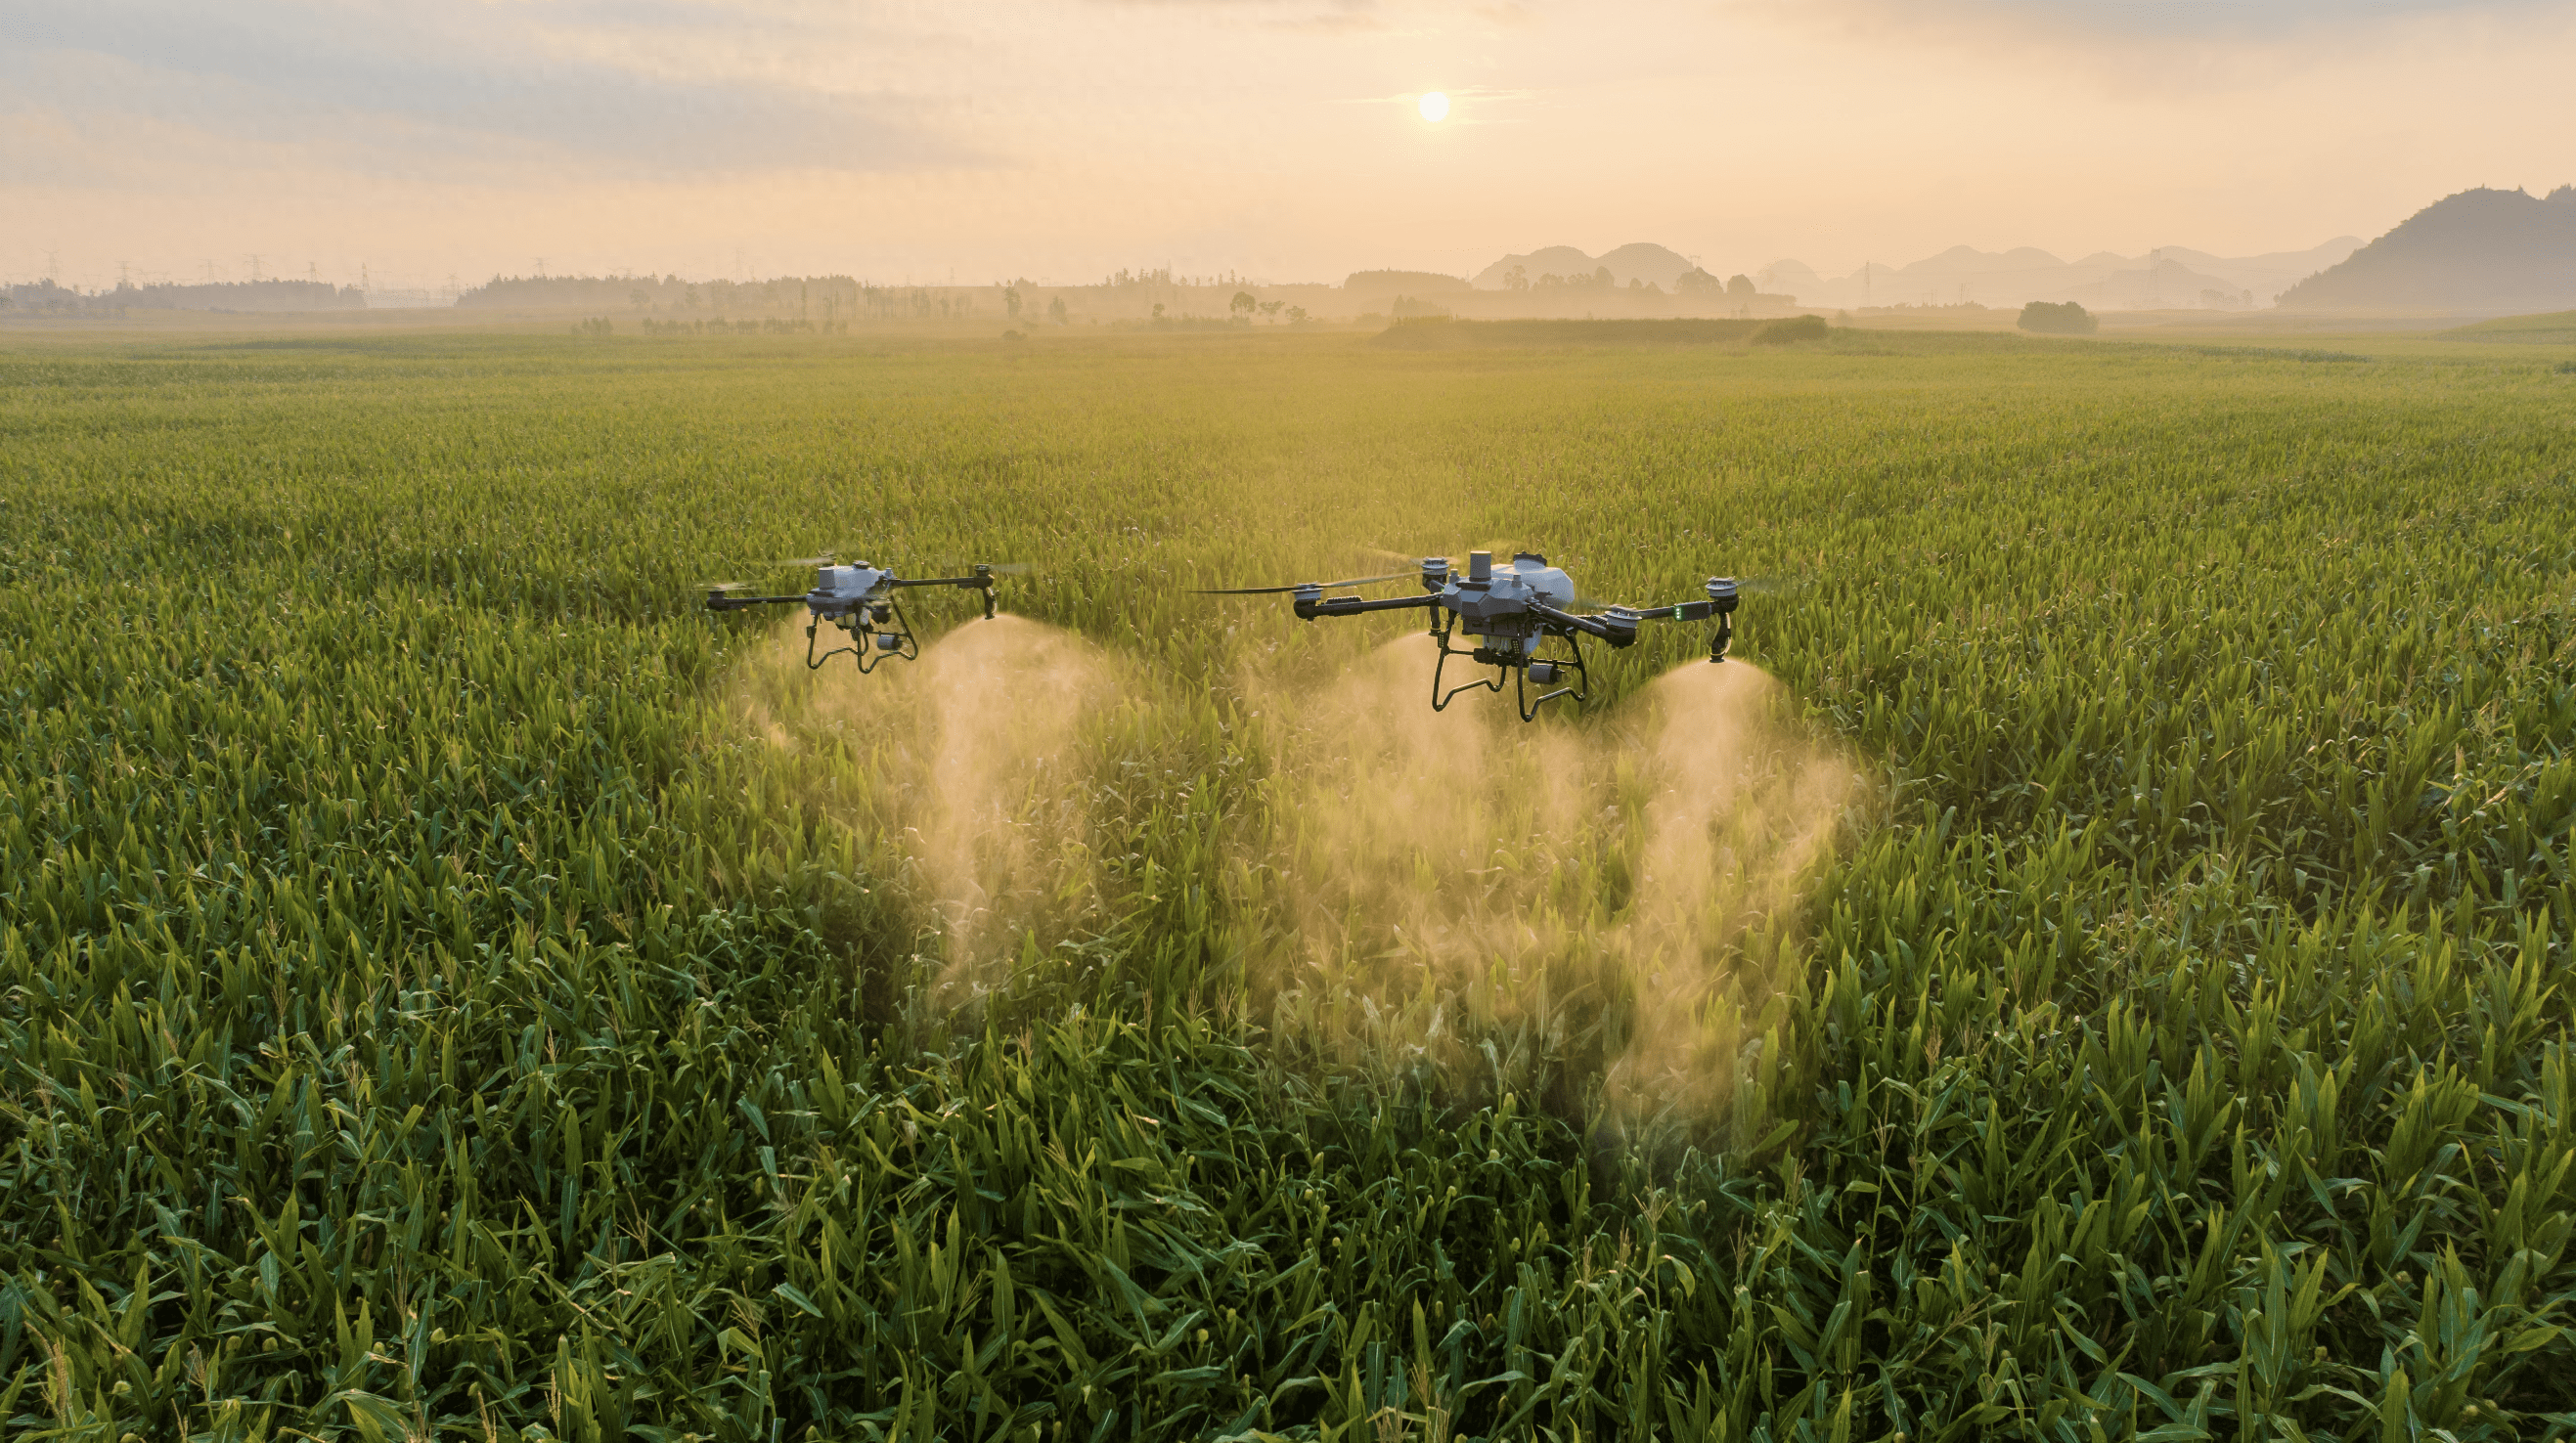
(1611, 892)
(969, 771)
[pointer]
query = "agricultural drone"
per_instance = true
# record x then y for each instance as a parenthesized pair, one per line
(859, 600)
(1508, 612)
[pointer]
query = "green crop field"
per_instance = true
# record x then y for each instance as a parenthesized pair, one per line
(2097, 966)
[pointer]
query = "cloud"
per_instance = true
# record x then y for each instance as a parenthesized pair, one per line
(401, 82)
(2183, 20)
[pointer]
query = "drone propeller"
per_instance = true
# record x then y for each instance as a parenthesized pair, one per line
(1300, 585)
(1769, 585)
(1744, 586)
(823, 560)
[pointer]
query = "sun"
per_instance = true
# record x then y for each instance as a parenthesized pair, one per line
(1435, 107)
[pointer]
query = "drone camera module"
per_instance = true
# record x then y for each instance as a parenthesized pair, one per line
(1480, 568)
(1545, 673)
(889, 641)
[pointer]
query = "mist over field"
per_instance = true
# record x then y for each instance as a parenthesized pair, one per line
(1287, 721)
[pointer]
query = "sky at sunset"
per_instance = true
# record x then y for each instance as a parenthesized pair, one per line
(1061, 139)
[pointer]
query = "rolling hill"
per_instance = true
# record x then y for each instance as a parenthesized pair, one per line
(2497, 251)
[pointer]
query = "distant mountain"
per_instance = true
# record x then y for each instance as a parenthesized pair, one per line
(2171, 277)
(2477, 251)
(1637, 260)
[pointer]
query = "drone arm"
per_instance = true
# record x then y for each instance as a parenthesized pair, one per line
(1352, 605)
(982, 581)
(1686, 611)
(1720, 605)
(1616, 630)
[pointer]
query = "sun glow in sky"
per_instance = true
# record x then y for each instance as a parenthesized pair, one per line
(1435, 107)
(1279, 139)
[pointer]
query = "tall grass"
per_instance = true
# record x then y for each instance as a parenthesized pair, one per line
(432, 1004)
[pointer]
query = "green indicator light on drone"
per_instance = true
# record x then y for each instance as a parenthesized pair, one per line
(1677, 613)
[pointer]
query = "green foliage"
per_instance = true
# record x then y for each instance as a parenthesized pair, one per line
(1790, 330)
(427, 1011)
(2057, 318)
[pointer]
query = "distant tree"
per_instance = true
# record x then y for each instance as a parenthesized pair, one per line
(1739, 287)
(1243, 305)
(1158, 310)
(1011, 302)
(1696, 280)
(1604, 279)
(1791, 330)
(2064, 318)
(1271, 308)
(1055, 310)
(1296, 315)
(1516, 279)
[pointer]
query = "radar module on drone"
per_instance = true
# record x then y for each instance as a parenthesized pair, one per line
(1508, 613)
(861, 601)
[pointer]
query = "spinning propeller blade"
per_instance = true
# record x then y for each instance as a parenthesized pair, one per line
(1744, 586)
(1299, 585)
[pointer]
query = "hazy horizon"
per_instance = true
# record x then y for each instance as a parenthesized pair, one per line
(1064, 139)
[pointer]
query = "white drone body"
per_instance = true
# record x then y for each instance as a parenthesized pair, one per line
(1483, 604)
(839, 590)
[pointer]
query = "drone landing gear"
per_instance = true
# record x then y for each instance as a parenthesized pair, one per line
(1515, 665)
(1580, 688)
(869, 647)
